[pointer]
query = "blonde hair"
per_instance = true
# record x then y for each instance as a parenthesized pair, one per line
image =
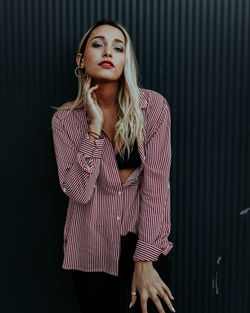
(129, 120)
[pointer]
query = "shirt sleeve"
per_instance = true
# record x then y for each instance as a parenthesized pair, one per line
(154, 220)
(77, 177)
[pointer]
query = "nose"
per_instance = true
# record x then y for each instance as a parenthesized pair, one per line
(107, 52)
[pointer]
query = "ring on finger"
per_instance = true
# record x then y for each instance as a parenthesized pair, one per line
(133, 293)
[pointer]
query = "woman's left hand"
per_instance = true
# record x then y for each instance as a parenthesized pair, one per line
(148, 283)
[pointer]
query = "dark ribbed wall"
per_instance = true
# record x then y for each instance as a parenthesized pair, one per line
(195, 53)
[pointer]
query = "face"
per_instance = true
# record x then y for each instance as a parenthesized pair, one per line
(104, 55)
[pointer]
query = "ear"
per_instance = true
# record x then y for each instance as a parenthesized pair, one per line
(79, 60)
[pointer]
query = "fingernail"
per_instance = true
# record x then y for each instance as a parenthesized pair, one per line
(172, 298)
(173, 309)
(130, 306)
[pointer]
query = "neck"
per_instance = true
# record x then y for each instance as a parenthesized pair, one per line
(106, 93)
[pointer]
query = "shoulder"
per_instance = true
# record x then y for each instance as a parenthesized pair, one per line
(153, 100)
(157, 108)
(60, 113)
(66, 117)
(58, 117)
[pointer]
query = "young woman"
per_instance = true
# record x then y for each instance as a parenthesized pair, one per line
(113, 152)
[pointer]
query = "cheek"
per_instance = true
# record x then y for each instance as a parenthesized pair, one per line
(122, 65)
(88, 58)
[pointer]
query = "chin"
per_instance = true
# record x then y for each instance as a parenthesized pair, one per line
(104, 78)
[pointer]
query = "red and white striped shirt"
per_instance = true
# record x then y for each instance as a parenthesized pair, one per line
(101, 208)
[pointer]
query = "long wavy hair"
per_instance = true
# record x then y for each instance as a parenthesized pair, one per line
(129, 124)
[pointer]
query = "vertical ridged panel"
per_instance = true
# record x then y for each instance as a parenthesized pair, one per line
(196, 54)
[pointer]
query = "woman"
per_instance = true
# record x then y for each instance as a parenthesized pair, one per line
(113, 152)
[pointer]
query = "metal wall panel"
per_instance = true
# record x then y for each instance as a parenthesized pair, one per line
(195, 53)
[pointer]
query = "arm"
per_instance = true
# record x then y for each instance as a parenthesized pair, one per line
(154, 221)
(78, 169)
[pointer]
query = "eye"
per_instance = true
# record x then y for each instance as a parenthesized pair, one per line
(119, 48)
(97, 44)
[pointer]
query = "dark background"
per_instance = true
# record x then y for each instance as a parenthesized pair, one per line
(196, 54)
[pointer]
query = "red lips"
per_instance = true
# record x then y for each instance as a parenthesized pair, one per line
(107, 63)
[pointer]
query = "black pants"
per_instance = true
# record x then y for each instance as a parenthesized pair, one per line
(101, 292)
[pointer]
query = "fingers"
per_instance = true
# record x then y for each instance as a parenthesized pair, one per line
(87, 84)
(144, 300)
(166, 299)
(87, 90)
(167, 290)
(132, 301)
(157, 303)
(153, 295)
(165, 294)
(133, 296)
(92, 99)
(92, 89)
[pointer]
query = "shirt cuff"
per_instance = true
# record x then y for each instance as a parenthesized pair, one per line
(91, 149)
(146, 252)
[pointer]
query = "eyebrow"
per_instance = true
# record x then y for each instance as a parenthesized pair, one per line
(102, 37)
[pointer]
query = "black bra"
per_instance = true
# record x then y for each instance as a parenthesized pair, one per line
(133, 161)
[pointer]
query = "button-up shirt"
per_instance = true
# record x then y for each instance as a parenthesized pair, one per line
(101, 207)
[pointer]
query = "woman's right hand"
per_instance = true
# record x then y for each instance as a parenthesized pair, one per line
(92, 105)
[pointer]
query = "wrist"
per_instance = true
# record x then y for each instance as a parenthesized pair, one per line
(95, 135)
(96, 123)
(95, 127)
(143, 264)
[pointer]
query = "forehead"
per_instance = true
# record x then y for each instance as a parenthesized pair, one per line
(108, 31)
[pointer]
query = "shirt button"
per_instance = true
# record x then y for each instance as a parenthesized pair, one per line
(64, 189)
(168, 185)
(118, 218)
(119, 193)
